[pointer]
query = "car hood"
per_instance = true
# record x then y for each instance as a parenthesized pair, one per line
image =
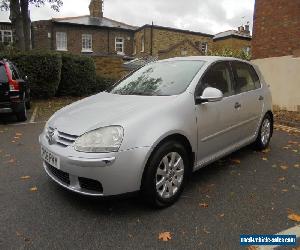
(104, 109)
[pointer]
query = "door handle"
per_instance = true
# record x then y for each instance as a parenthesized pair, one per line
(237, 105)
(260, 98)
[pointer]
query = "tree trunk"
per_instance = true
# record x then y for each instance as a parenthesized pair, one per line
(26, 23)
(17, 24)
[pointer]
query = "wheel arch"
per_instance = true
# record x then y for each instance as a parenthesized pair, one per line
(176, 137)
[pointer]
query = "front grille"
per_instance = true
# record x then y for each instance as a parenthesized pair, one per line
(90, 184)
(61, 175)
(62, 139)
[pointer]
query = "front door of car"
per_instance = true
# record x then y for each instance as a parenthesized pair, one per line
(248, 90)
(216, 120)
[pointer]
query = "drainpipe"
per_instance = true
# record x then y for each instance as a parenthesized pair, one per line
(151, 49)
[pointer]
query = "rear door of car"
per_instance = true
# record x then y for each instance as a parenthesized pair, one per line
(249, 103)
(4, 85)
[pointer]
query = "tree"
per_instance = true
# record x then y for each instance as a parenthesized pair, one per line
(20, 18)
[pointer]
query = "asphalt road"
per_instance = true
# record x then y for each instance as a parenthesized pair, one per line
(246, 193)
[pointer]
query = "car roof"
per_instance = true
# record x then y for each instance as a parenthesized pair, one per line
(208, 59)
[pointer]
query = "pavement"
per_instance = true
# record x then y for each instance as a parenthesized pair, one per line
(247, 192)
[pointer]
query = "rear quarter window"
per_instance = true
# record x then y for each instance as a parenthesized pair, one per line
(3, 75)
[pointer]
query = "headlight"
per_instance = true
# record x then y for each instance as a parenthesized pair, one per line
(102, 140)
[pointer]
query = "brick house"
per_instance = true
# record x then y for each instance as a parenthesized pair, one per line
(234, 39)
(165, 42)
(91, 34)
(276, 49)
(95, 34)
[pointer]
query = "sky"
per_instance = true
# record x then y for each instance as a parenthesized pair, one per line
(207, 16)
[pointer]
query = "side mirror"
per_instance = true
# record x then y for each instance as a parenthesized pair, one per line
(210, 95)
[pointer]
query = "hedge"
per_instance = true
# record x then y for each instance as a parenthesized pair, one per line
(78, 76)
(42, 68)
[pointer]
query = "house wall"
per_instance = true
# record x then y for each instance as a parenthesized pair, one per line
(41, 35)
(276, 30)
(184, 49)
(163, 39)
(109, 66)
(231, 43)
(103, 38)
(282, 74)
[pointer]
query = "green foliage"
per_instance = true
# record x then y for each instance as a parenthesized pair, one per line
(102, 84)
(78, 75)
(242, 54)
(43, 70)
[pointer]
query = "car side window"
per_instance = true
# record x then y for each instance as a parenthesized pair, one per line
(219, 77)
(246, 78)
(3, 75)
(14, 72)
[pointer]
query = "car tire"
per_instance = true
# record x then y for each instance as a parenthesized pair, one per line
(22, 114)
(163, 180)
(265, 133)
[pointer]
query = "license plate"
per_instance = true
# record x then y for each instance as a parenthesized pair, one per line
(50, 158)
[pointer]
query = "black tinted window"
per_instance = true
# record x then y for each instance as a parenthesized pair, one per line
(14, 72)
(246, 78)
(218, 76)
(3, 75)
(160, 78)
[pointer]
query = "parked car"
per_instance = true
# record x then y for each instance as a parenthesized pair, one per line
(14, 91)
(156, 126)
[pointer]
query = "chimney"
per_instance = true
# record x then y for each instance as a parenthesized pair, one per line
(247, 29)
(96, 8)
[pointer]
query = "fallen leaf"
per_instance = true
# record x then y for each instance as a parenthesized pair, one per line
(33, 189)
(284, 190)
(13, 141)
(203, 205)
(16, 137)
(294, 217)
(297, 165)
(284, 167)
(18, 134)
(221, 215)
(281, 178)
(293, 142)
(264, 158)
(11, 161)
(252, 248)
(25, 177)
(164, 236)
(295, 150)
(286, 147)
(235, 161)
(204, 229)
(267, 150)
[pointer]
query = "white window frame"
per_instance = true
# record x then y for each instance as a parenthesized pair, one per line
(61, 41)
(87, 43)
(143, 44)
(120, 43)
(2, 36)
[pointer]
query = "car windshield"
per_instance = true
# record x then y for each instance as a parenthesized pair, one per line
(159, 79)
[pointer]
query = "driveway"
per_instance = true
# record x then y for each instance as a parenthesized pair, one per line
(246, 193)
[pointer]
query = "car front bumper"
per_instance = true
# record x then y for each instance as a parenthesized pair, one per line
(97, 174)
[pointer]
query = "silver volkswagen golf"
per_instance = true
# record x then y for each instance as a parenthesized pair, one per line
(156, 126)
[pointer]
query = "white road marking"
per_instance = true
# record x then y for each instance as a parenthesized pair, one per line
(33, 115)
(291, 231)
